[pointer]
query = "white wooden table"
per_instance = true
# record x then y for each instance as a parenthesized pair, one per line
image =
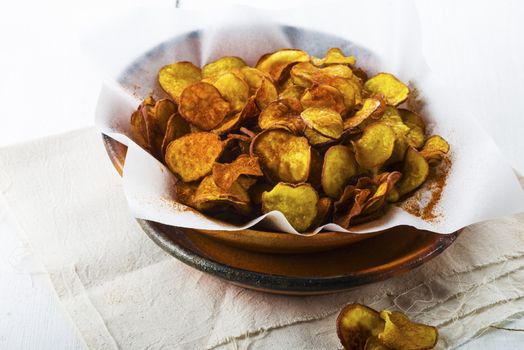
(478, 44)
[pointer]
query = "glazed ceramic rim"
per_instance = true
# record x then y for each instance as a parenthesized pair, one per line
(282, 283)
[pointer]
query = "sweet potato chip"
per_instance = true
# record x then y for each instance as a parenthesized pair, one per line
(233, 89)
(386, 183)
(298, 203)
(162, 111)
(233, 121)
(356, 323)
(253, 77)
(222, 65)
(293, 91)
(349, 205)
(347, 88)
(174, 78)
(323, 120)
(372, 109)
(389, 86)
(225, 175)
(302, 74)
(283, 113)
(400, 333)
(176, 128)
(209, 196)
(156, 118)
(266, 93)
(391, 118)
(415, 170)
(202, 105)
(334, 56)
(283, 156)
(275, 63)
(375, 146)
(416, 125)
(324, 96)
(338, 70)
(338, 169)
(139, 129)
(434, 149)
(315, 138)
(192, 156)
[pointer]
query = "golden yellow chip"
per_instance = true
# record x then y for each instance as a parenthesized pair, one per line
(375, 146)
(334, 56)
(372, 109)
(315, 138)
(293, 91)
(266, 93)
(156, 118)
(323, 96)
(275, 63)
(338, 70)
(298, 203)
(202, 105)
(139, 129)
(400, 333)
(283, 113)
(349, 205)
(389, 86)
(209, 196)
(192, 156)
(225, 175)
(325, 121)
(391, 117)
(385, 184)
(301, 74)
(174, 78)
(176, 128)
(283, 156)
(417, 127)
(434, 149)
(162, 111)
(222, 65)
(415, 170)
(356, 323)
(347, 88)
(253, 77)
(233, 89)
(338, 169)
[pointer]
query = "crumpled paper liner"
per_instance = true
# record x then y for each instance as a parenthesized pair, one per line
(480, 184)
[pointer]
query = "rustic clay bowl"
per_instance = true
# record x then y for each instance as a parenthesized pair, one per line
(273, 261)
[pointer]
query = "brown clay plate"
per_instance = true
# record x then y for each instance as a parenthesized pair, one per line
(271, 261)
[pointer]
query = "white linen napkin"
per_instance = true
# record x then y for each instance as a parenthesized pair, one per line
(123, 291)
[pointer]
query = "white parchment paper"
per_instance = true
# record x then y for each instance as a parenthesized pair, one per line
(480, 185)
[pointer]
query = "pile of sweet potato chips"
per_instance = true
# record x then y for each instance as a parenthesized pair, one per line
(313, 138)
